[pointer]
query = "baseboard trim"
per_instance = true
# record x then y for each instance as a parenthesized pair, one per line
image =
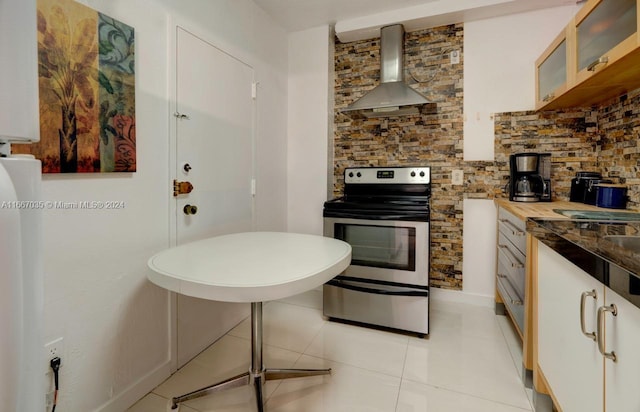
(458, 296)
(137, 390)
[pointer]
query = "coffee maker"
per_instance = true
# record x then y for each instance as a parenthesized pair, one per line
(530, 177)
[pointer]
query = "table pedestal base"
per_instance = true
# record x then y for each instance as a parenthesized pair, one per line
(257, 375)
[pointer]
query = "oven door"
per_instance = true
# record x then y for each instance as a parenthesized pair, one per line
(391, 251)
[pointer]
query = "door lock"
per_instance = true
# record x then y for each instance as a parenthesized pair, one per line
(190, 209)
(187, 167)
(181, 188)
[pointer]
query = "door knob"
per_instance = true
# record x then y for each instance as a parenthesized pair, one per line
(190, 209)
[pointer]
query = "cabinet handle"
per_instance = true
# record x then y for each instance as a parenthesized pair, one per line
(601, 60)
(514, 229)
(600, 330)
(548, 97)
(515, 263)
(583, 298)
(513, 301)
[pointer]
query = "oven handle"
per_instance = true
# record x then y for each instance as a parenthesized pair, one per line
(345, 285)
(407, 216)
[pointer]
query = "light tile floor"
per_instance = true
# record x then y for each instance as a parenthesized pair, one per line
(471, 362)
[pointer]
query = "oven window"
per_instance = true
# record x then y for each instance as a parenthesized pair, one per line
(380, 246)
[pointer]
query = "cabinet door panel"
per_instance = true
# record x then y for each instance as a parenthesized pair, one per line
(553, 70)
(607, 25)
(622, 378)
(569, 360)
(552, 73)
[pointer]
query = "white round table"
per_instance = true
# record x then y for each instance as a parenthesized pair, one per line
(250, 267)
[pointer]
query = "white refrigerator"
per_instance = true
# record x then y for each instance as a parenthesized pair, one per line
(23, 383)
(22, 376)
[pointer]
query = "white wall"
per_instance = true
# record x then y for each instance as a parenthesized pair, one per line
(115, 323)
(499, 72)
(499, 76)
(479, 249)
(310, 112)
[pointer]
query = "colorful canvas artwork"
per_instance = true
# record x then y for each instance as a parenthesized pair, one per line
(86, 71)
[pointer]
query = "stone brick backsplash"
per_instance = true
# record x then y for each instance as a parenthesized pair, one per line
(619, 154)
(603, 138)
(432, 138)
(570, 136)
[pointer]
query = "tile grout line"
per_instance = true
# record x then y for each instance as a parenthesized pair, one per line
(404, 365)
(504, 336)
(468, 394)
(356, 367)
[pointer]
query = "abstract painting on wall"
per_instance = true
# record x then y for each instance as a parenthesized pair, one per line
(86, 75)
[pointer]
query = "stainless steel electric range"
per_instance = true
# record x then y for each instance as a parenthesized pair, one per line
(384, 216)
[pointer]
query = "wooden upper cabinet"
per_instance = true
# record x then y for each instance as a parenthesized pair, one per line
(605, 32)
(602, 51)
(552, 71)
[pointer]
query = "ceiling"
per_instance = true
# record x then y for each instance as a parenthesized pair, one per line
(295, 15)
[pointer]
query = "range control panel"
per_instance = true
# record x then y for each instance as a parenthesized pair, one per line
(395, 175)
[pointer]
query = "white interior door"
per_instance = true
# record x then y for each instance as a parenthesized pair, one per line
(214, 152)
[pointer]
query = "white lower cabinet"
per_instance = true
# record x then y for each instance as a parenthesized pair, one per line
(580, 376)
(622, 377)
(569, 360)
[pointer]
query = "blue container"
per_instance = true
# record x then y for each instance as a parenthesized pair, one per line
(611, 196)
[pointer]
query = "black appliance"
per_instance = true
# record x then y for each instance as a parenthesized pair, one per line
(530, 177)
(583, 187)
(384, 216)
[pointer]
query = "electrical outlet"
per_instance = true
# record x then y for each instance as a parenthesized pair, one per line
(457, 177)
(51, 350)
(454, 57)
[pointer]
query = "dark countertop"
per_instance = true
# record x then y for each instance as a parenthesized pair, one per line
(585, 244)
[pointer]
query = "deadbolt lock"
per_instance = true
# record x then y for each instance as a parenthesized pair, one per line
(181, 188)
(190, 209)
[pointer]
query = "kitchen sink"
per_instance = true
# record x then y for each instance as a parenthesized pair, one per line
(598, 215)
(628, 242)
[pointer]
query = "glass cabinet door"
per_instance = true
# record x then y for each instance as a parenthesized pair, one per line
(608, 24)
(552, 72)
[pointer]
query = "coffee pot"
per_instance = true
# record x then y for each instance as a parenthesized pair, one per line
(529, 186)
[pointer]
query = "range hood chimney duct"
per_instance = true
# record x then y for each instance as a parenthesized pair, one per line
(392, 97)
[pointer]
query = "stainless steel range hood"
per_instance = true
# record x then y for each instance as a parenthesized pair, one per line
(392, 97)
